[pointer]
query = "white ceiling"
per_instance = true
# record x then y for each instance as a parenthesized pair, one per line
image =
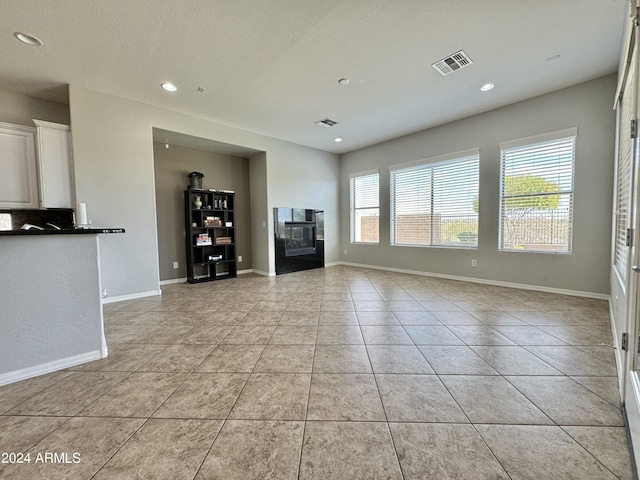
(272, 66)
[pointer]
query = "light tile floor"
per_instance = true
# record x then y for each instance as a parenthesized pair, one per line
(336, 373)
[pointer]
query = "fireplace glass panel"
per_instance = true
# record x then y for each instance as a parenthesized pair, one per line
(300, 239)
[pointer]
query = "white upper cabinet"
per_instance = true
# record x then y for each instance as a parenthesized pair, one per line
(55, 165)
(18, 173)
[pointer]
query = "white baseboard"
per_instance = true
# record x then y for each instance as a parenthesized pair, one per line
(131, 296)
(184, 279)
(173, 280)
(36, 370)
(265, 274)
(497, 283)
(333, 264)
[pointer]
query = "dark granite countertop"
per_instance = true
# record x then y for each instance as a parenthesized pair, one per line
(63, 231)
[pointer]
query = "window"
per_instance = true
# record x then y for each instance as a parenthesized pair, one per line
(365, 210)
(626, 114)
(435, 202)
(536, 193)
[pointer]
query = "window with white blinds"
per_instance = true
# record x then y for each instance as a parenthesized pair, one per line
(435, 202)
(536, 193)
(623, 175)
(365, 207)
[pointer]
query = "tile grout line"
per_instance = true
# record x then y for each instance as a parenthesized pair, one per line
(306, 412)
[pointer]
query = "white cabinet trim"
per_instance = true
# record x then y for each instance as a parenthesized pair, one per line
(18, 128)
(58, 126)
(55, 165)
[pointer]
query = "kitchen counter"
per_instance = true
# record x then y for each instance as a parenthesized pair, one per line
(63, 231)
(51, 302)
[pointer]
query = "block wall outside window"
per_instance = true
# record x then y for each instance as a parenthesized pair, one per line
(434, 202)
(364, 207)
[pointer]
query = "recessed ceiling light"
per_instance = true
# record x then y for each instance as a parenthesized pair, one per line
(487, 86)
(343, 81)
(28, 39)
(169, 87)
(337, 139)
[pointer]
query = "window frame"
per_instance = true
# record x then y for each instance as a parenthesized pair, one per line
(430, 164)
(530, 143)
(353, 178)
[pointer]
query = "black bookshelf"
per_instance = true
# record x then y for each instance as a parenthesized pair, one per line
(210, 227)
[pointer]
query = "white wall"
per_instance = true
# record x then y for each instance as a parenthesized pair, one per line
(113, 156)
(309, 179)
(587, 106)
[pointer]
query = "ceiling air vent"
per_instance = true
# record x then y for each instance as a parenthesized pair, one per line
(452, 63)
(326, 123)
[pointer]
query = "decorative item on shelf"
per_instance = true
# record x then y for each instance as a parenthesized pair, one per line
(195, 180)
(81, 216)
(215, 258)
(198, 201)
(223, 240)
(212, 222)
(228, 224)
(203, 239)
(5, 221)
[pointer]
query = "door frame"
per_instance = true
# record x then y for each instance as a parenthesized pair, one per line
(628, 360)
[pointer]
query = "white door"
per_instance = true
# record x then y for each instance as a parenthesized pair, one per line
(626, 252)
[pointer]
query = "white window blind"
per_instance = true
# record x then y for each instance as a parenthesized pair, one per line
(536, 193)
(435, 203)
(365, 208)
(623, 175)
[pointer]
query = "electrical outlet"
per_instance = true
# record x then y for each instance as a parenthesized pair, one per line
(175, 265)
(239, 258)
(474, 263)
(345, 251)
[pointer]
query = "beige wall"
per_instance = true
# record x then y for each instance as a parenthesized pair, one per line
(113, 157)
(21, 109)
(223, 172)
(113, 154)
(587, 106)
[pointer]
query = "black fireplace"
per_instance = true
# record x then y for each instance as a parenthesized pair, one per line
(299, 239)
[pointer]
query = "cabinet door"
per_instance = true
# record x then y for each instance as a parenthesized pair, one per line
(18, 177)
(55, 162)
